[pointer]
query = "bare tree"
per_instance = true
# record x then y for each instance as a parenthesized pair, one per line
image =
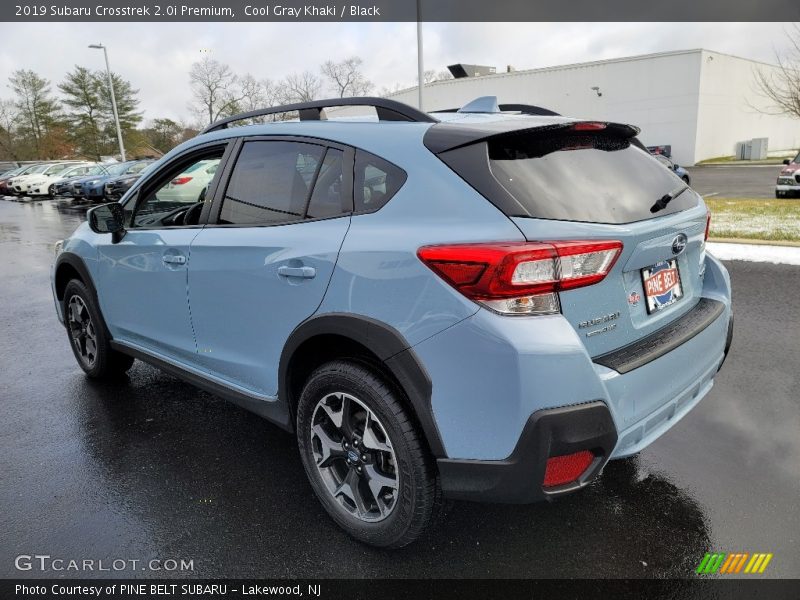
(300, 87)
(782, 86)
(432, 75)
(388, 91)
(345, 77)
(258, 94)
(214, 88)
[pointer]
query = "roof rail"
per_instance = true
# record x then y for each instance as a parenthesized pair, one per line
(388, 110)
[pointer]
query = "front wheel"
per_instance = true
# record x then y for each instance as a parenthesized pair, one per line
(364, 457)
(88, 339)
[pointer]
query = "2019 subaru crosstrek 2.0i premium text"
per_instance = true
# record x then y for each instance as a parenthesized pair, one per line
(488, 304)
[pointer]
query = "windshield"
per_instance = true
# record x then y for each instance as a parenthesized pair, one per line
(581, 176)
(54, 169)
(117, 169)
(136, 168)
(73, 171)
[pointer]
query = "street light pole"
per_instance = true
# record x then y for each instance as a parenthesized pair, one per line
(113, 99)
(420, 71)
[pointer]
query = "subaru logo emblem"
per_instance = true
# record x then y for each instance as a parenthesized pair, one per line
(679, 244)
(352, 456)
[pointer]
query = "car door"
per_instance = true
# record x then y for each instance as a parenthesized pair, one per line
(262, 264)
(143, 276)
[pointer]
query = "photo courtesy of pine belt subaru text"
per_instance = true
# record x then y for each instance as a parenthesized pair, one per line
(485, 303)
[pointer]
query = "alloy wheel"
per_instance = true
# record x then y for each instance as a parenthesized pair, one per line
(354, 456)
(82, 330)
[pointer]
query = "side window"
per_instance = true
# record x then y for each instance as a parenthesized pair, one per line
(376, 181)
(326, 199)
(270, 183)
(177, 197)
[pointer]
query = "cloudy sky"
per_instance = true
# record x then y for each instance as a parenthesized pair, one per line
(156, 57)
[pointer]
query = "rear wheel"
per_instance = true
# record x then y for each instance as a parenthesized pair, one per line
(364, 458)
(88, 339)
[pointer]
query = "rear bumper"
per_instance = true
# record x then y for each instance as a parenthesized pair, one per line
(493, 378)
(518, 479)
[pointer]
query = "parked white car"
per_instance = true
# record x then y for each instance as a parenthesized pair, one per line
(20, 184)
(190, 186)
(44, 185)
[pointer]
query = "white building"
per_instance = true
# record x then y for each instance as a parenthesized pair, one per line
(702, 103)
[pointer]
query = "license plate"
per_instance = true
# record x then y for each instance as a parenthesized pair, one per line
(662, 285)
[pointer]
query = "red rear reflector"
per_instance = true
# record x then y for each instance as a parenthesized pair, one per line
(567, 468)
(589, 126)
(181, 180)
(460, 273)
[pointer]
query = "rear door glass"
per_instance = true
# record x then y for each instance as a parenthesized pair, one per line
(326, 199)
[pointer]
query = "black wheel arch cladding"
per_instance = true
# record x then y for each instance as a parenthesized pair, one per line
(388, 345)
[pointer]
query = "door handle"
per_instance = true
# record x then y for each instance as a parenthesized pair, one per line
(174, 259)
(304, 272)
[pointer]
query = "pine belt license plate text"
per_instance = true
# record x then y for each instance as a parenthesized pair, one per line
(662, 285)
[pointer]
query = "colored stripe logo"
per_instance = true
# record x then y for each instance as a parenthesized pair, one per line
(734, 562)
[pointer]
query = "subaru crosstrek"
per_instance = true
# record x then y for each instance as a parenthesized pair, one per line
(487, 304)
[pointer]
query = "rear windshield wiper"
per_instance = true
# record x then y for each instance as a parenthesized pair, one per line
(662, 202)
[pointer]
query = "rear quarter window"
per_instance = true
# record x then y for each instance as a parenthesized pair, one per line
(375, 182)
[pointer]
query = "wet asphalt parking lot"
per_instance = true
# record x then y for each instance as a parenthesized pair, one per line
(151, 468)
(740, 181)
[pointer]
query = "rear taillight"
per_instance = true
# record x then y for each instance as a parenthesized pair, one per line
(180, 180)
(708, 223)
(520, 277)
(567, 468)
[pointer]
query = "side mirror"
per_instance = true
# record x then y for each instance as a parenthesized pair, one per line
(675, 166)
(786, 161)
(108, 218)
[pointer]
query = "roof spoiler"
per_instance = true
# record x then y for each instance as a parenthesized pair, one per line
(449, 136)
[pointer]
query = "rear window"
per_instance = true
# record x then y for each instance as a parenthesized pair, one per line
(580, 176)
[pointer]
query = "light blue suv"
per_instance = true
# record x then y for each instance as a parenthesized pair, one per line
(488, 304)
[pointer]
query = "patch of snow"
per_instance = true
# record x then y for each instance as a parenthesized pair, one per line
(779, 255)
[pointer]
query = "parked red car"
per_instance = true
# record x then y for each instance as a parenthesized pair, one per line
(788, 183)
(5, 189)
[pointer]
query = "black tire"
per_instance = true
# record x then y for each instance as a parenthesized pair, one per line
(778, 194)
(97, 358)
(51, 191)
(416, 498)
